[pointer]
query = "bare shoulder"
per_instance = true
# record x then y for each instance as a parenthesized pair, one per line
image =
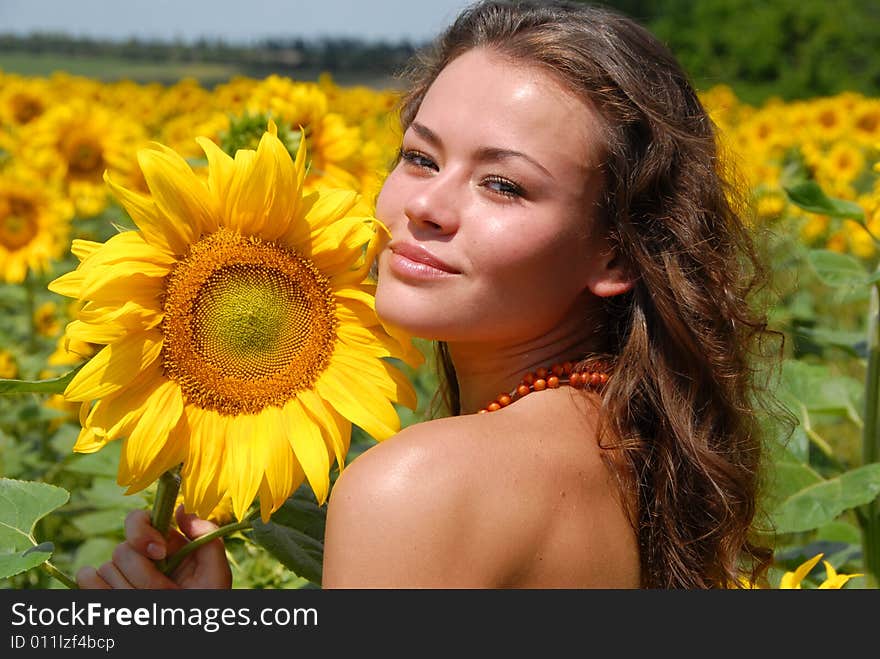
(396, 512)
(479, 501)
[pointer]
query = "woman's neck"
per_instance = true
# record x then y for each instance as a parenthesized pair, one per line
(486, 370)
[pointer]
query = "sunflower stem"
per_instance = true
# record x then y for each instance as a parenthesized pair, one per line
(175, 560)
(58, 574)
(163, 507)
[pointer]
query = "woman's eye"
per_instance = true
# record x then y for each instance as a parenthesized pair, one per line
(417, 158)
(503, 186)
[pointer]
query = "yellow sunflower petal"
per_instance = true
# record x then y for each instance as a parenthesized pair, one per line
(386, 378)
(354, 312)
(158, 230)
(273, 188)
(69, 284)
(100, 279)
(88, 442)
(179, 194)
(82, 249)
(221, 169)
(244, 460)
(335, 428)
(114, 366)
(367, 408)
(117, 414)
(147, 449)
(327, 207)
(338, 249)
(203, 484)
(130, 315)
(792, 580)
(127, 246)
(141, 289)
(308, 445)
(279, 462)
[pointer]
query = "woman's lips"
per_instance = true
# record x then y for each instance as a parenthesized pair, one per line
(412, 260)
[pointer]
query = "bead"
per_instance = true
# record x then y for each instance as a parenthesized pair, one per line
(549, 378)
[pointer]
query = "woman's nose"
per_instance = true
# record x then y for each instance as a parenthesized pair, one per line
(433, 204)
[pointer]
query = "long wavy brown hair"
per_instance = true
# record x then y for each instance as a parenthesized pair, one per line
(686, 340)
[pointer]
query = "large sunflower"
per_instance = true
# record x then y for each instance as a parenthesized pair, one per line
(240, 333)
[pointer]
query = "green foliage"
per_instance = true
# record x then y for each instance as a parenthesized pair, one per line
(244, 132)
(822, 501)
(786, 48)
(295, 535)
(49, 386)
(22, 505)
(825, 477)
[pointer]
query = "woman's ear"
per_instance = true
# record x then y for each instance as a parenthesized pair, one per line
(609, 276)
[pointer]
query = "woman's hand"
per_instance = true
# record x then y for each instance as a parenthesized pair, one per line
(133, 564)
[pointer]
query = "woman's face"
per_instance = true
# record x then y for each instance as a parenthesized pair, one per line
(491, 206)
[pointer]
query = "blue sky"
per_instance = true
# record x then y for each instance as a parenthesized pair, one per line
(233, 20)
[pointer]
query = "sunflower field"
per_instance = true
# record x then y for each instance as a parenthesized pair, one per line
(83, 163)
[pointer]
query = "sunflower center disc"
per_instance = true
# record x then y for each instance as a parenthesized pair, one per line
(85, 160)
(247, 324)
(25, 108)
(18, 223)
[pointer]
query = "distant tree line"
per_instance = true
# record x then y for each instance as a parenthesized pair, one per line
(284, 56)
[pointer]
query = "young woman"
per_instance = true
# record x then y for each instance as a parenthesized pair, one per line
(556, 211)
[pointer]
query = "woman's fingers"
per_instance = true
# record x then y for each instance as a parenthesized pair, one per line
(141, 535)
(209, 569)
(114, 578)
(192, 526)
(88, 578)
(138, 570)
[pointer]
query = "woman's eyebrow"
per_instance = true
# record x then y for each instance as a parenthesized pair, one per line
(491, 153)
(486, 153)
(425, 133)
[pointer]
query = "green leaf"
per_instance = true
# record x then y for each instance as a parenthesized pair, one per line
(819, 503)
(104, 462)
(295, 536)
(22, 505)
(854, 343)
(93, 551)
(101, 522)
(839, 531)
(788, 473)
(813, 387)
(836, 269)
(51, 386)
(809, 196)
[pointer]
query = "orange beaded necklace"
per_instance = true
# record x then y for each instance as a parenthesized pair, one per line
(552, 378)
